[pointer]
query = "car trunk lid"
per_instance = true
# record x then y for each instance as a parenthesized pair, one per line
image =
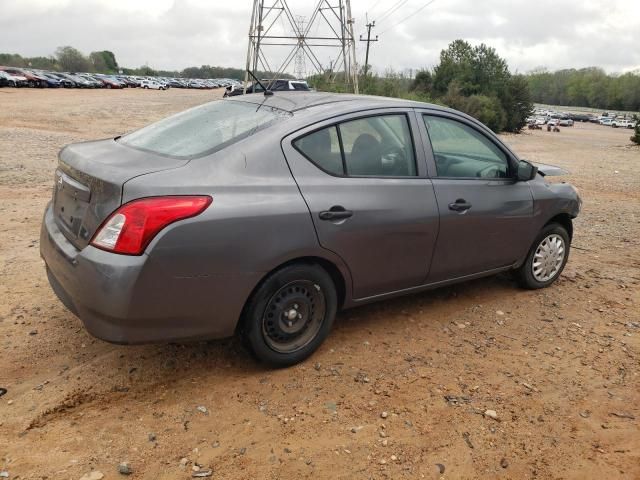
(89, 181)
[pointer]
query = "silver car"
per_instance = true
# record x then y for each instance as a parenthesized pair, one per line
(264, 215)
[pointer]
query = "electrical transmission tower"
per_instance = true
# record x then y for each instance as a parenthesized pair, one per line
(300, 68)
(272, 48)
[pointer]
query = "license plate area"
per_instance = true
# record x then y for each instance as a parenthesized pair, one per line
(70, 202)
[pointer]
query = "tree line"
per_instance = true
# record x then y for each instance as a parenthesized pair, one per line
(474, 80)
(587, 87)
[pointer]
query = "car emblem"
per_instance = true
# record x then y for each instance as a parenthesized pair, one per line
(59, 182)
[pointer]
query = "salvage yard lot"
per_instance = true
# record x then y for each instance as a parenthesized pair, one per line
(397, 391)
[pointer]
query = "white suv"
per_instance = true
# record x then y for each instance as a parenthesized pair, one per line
(152, 84)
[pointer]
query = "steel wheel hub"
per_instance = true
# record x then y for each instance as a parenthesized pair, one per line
(548, 258)
(293, 316)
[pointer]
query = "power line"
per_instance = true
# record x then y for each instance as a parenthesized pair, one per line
(409, 16)
(374, 6)
(396, 5)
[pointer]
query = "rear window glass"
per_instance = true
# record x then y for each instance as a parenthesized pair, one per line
(204, 129)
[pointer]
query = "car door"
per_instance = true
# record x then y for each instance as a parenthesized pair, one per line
(369, 197)
(485, 214)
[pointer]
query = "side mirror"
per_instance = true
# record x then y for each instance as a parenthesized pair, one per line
(526, 171)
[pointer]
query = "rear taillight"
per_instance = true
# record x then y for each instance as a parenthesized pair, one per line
(130, 228)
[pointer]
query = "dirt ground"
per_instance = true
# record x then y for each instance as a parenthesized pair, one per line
(398, 390)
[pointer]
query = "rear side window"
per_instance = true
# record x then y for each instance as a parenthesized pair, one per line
(323, 149)
(376, 146)
(204, 129)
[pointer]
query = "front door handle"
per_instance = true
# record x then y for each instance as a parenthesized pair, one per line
(460, 205)
(337, 212)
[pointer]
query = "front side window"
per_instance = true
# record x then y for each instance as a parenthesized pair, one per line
(378, 146)
(203, 129)
(462, 152)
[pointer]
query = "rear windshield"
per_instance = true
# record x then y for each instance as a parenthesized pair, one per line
(204, 129)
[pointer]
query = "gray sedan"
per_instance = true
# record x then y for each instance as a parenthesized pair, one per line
(264, 215)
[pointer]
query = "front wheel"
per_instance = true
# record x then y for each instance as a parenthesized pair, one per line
(290, 314)
(546, 259)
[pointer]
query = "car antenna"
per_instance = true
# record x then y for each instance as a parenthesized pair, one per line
(267, 92)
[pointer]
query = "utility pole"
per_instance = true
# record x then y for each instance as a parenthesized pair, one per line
(368, 40)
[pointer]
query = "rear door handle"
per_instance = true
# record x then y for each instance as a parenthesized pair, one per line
(460, 205)
(337, 212)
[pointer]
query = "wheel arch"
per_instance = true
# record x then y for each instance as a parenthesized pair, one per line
(563, 219)
(339, 277)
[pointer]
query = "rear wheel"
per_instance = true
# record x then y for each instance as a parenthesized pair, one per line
(290, 314)
(546, 259)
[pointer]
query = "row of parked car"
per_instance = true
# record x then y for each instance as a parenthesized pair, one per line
(27, 77)
(561, 119)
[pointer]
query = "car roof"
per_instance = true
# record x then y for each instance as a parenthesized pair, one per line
(299, 101)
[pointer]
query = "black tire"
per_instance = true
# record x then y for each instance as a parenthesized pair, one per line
(305, 288)
(525, 274)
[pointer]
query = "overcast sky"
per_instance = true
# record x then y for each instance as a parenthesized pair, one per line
(174, 34)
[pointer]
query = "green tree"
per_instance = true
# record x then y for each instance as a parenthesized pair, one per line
(422, 83)
(72, 60)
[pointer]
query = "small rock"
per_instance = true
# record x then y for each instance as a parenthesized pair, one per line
(202, 473)
(242, 451)
(499, 312)
(491, 414)
(125, 469)
(215, 444)
(384, 442)
(33, 332)
(184, 461)
(384, 415)
(202, 409)
(393, 458)
(287, 450)
(383, 461)
(9, 402)
(440, 468)
(317, 366)
(504, 463)
(94, 475)
(152, 437)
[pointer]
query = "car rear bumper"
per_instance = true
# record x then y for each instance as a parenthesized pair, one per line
(135, 299)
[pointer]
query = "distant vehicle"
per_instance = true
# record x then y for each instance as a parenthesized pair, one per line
(109, 81)
(32, 80)
(606, 121)
(565, 122)
(623, 123)
(579, 117)
(13, 80)
(64, 81)
(277, 85)
(152, 84)
(50, 81)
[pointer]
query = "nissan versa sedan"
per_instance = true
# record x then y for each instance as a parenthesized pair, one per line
(264, 215)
